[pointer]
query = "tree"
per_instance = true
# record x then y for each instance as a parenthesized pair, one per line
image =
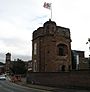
(18, 67)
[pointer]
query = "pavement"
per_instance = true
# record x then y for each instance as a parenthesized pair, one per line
(50, 89)
(23, 83)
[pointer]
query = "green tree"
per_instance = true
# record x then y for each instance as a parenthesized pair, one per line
(18, 67)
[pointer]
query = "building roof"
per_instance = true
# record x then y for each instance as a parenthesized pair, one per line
(49, 22)
(8, 53)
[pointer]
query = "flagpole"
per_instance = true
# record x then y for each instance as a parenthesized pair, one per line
(48, 6)
(51, 11)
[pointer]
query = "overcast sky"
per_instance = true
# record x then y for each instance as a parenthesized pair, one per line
(19, 18)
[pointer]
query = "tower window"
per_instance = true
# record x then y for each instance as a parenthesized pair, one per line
(35, 48)
(62, 50)
(35, 66)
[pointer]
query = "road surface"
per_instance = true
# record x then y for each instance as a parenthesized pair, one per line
(6, 86)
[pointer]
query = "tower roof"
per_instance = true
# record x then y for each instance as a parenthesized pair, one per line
(49, 22)
(8, 53)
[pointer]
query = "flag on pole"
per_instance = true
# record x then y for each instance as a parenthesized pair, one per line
(47, 5)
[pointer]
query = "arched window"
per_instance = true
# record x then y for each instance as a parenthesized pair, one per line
(35, 48)
(62, 50)
(35, 66)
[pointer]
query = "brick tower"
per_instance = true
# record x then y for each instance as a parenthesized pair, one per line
(51, 48)
(8, 62)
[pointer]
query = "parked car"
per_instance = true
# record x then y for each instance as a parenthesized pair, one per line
(2, 77)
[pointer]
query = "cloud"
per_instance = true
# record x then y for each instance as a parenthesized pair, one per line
(39, 18)
(14, 57)
(19, 18)
(14, 38)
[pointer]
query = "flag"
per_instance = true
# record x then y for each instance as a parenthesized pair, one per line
(47, 5)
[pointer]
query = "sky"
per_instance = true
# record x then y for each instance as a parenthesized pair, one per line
(19, 18)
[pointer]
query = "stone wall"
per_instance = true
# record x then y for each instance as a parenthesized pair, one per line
(53, 48)
(79, 79)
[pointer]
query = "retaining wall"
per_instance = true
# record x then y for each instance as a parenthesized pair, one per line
(60, 79)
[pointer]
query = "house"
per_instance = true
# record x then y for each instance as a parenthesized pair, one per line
(79, 62)
(2, 68)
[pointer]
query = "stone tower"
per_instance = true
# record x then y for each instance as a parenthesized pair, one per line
(8, 62)
(51, 48)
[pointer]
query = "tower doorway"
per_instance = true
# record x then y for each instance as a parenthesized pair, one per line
(63, 68)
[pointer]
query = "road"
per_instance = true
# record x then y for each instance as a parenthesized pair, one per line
(6, 86)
